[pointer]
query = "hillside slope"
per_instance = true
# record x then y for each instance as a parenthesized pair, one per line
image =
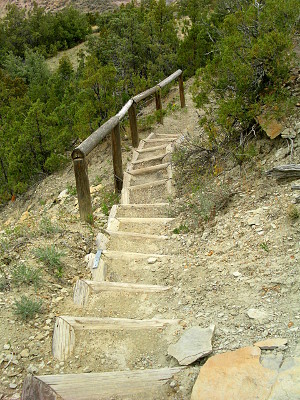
(246, 258)
(55, 5)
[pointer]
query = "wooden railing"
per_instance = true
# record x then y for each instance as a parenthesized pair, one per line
(113, 126)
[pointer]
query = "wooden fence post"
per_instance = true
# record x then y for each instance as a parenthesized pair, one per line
(117, 157)
(158, 104)
(133, 125)
(83, 189)
(181, 91)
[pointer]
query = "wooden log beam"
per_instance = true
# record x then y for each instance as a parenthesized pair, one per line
(149, 92)
(170, 78)
(95, 138)
(83, 189)
(285, 172)
(117, 158)
(121, 114)
(98, 386)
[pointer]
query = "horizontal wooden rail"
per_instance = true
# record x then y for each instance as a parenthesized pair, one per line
(112, 126)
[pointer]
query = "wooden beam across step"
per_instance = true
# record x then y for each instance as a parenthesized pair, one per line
(136, 235)
(148, 170)
(63, 343)
(84, 287)
(97, 386)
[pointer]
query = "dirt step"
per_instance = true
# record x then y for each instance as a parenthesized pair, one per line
(84, 288)
(149, 143)
(156, 226)
(152, 151)
(152, 192)
(139, 384)
(65, 328)
(143, 210)
(148, 174)
(139, 242)
(151, 161)
(135, 267)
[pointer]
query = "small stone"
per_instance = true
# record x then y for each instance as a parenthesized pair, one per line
(236, 274)
(254, 313)
(270, 344)
(13, 385)
(6, 347)
(193, 344)
(63, 194)
(151, 260)
(173, 384)
(24, 353)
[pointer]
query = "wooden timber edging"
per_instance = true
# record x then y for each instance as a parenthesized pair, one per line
(112, 126)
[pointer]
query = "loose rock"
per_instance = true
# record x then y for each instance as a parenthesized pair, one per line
(193, 344)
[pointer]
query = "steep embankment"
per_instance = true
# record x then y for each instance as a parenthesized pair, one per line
(246, 258)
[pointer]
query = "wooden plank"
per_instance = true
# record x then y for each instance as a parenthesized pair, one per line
(63, 339)
(164, 140)
(98, 287)
(149, 92)
(117, 158)
(121, 114)
(137, 235)
(93, 323)
(149, 170)
(288, 172)
(149, 149)
(81, 293)
(155, 158)
(36, 389)
(133, 125)
(83, 189)
(105, 385)
(95, 138)
(170, 78)
(132, 255)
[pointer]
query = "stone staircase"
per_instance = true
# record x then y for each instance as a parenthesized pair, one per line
(123, 290)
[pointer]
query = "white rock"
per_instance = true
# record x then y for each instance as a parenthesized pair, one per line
(288, 133)
(151, 260)
(6, 346)
(254, 313)
(13, 385)
(24, 353)
(63, 194)
(236, 274)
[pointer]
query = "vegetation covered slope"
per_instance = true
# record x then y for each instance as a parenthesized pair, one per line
(243, 50)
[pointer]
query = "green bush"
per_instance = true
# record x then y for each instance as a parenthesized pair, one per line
(51, 258)
(27, 308)
(24, 275)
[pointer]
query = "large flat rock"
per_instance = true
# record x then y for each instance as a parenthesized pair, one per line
(287, 385)
(193, 344)
(235, 375)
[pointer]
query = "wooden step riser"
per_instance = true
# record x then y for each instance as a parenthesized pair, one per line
(63, 343)
(83, 289)
(98, 386)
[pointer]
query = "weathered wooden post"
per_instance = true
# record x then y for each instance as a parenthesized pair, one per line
(158, 103)
(181, 90)
(133, 125)
(83, 187)
(117, 157)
